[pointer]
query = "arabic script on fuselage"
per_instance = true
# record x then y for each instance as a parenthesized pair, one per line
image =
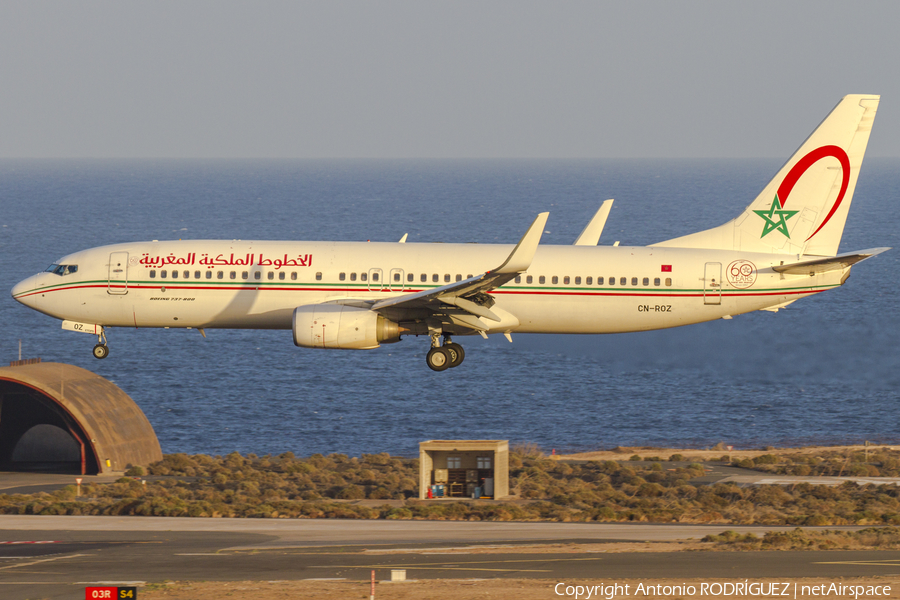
(223, 260)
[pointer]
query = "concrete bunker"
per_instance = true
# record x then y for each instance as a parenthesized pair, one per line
(61, 418)
(464, 468)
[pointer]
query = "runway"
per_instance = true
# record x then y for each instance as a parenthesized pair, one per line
(56, 557)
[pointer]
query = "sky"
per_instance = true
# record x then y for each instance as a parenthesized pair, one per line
(422, 79)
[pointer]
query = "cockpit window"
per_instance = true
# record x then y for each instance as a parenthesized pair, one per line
(62, 269)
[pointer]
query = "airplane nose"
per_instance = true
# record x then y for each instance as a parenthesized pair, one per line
(21, 289)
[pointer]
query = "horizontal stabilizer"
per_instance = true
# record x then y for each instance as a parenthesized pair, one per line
(831, 263)
(591, 234)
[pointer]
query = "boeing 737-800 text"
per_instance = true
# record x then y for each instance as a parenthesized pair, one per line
(354, 295)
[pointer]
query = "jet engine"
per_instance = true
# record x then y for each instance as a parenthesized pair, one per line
(339, 326)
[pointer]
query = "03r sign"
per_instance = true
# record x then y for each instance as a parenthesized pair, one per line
(110, 593)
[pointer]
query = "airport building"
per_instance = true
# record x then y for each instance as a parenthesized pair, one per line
(464, 469)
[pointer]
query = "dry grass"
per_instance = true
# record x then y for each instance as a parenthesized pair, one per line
(378, 486)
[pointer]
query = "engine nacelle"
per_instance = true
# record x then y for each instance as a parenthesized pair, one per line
(339, 326)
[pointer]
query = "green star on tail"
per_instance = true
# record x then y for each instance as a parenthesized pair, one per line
(776, 218)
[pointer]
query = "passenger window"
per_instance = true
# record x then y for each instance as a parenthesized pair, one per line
(174, 274)
(374, 276)
(623, 280)
(435, 278)
(668, 281)
(244, 274)
(634, 280)
(588, 280)
(423, 278)
(220, 275)
(469, 276)
(352, 276)
(318, 276)
(554, 280)
(459, 277)
(518, 279)
(656, 281)
(294, 276)
(187, 274)
(282, 274)
(542, 279)
(209, 274)
(232, 275)
(196, 274)
(646, 281)
(364, 276)
(152, 274)
(258, 275)
(529, 279)
(578, 281)
(410, 277)
(396, 276)
(270, 275)
(447, 277)
(162, 274)
(599, 281)
(612, 281)
(566, 280)
(342, 276)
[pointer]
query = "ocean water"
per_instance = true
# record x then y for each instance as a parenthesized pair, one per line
(825, 370)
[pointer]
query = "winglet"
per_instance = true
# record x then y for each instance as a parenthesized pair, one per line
(591, 234)
(520, 258)
(403, 239)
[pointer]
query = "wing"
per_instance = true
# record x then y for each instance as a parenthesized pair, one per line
(471, 295)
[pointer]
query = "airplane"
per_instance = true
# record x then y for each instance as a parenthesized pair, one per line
(359, 295)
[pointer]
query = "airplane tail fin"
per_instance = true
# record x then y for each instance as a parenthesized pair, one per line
(804, 208)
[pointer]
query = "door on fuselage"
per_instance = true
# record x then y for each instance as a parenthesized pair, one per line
(376, 281)
(118, 273)
(712, 283)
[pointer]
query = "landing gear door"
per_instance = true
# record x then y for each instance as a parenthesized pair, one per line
(712, 283)
(118, 273)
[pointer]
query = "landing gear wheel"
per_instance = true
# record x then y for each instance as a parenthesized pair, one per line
(101, 351)
(438, 359)
(457, 354)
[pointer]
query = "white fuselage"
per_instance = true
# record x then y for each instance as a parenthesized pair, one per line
(567, 289)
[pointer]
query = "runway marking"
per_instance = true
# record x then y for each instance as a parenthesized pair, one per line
(200, 554)
(445, 567)
(42, 561)
(36, 583)
(888, 562)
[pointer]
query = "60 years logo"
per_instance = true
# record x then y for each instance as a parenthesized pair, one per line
(741, 274)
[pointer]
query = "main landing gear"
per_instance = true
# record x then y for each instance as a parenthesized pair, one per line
(444, 356)
(101, 350)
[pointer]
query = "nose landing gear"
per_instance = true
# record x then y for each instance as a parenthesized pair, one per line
(444, 356)
(101, 350)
